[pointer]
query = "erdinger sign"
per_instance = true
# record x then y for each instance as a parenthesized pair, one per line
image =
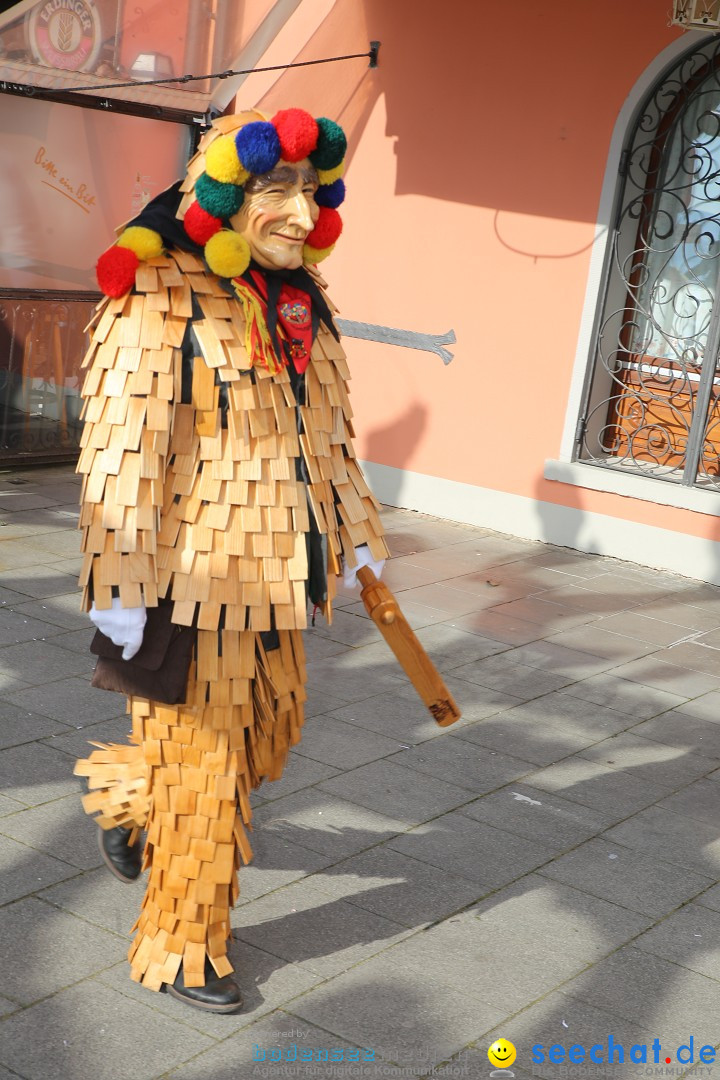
(65, 34)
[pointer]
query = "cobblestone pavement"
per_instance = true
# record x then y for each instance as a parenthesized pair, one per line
(544, 870)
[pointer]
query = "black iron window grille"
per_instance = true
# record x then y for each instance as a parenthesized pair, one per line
(652, 399)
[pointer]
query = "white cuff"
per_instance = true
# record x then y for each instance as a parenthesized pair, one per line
(364, 558)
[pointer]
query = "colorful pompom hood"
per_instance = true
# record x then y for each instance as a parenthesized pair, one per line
(195, 213)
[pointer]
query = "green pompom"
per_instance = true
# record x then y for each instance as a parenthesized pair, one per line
(331, 145)
(220, 200)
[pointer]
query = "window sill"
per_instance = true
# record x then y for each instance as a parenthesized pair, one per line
(632, 486)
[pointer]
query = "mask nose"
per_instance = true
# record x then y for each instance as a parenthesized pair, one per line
(300, 212)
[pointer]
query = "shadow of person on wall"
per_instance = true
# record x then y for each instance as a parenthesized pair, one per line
(399, 438)
(565, 524)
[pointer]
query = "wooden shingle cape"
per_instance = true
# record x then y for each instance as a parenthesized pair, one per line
(174, 504)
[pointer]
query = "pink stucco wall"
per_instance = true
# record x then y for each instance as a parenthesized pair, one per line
(478, 149)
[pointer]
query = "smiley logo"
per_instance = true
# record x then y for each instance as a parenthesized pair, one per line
(502, 1054)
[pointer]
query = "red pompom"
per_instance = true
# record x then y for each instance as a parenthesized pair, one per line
(199, 225)
(298, 133)
(327, 229)
(115, 271)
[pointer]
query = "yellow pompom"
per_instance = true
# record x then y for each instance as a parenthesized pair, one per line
(227, 254)
(315, 255)
(222, 162)
(146, 243)
(329, 176)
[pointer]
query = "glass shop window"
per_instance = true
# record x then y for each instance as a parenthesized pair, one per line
(68, 177)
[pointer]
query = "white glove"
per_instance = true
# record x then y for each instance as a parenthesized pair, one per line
(124, 626)
(364, 558)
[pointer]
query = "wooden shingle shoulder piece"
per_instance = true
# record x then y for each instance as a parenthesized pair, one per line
(200, 501)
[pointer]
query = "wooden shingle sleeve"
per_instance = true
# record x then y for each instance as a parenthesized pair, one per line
(354, 517)
(127, 425)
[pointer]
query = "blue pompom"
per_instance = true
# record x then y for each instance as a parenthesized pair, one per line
(258, 146)
(331, 195)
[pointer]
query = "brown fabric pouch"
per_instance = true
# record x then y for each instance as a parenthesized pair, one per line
(158, 671)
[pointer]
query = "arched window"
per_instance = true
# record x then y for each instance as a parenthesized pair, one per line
(652, 401)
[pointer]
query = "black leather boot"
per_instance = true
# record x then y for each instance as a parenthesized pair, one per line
(121, 859)
(220, 995)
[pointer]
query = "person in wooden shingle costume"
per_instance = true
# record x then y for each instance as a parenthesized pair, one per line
(219, 481)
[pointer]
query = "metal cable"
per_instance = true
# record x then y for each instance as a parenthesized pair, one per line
(372, 54)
